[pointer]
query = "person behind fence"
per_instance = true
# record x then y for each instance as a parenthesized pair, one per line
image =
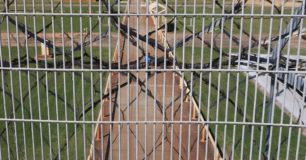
(148, 61)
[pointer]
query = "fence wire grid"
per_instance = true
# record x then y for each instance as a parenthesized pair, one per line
(155, 79)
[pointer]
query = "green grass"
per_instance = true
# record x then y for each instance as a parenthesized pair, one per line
(215, 108)
(37, 21)
(42, 103)
(56, 107)
(269, 25)
(61, 24)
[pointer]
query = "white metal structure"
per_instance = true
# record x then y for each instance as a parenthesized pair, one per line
(134, 80)
(157, 8)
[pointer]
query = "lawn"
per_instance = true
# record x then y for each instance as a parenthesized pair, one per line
(74, 23)
(251, 106)
(47, 101)
(48, 96)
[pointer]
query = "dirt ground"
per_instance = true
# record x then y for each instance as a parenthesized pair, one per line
(153, 98)
(59, 39)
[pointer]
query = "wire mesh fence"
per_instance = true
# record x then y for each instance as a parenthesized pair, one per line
(160, 79)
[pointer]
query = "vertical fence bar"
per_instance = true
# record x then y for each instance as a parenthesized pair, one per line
(303, 6)
(20, 85)
(101, 81)
(155, 83)
(119, 79)
(146, 79)
(90, 11)
(4, 103)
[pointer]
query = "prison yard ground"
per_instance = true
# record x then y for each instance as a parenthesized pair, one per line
(75, 26)
(62, 96)
(60, 39)
(42, 95)
(72, 23)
